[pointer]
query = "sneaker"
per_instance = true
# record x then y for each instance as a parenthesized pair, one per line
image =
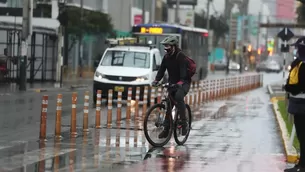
(163, 134)
(293, 169)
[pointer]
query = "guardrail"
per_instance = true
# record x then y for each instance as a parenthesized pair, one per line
(201, 92)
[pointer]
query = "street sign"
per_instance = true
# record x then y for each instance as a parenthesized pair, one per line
(285, 48)
(285, 34)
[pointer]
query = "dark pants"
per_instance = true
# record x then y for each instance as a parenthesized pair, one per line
(179, 98)
(299, 122)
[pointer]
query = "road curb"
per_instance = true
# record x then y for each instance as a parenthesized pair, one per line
(291, 155)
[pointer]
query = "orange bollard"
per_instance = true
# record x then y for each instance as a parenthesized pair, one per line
(58, 117)
(73, 115)
(191, 95)
(195, 86)
(43, 118)
(86, 112)
(211, 95)
(109, 113)
(159, 95)
(129, 96)
(203, 96)
(152, 96)
(199, 92)
(145, 101)
(136, 115)
(119, 108)
(98, 109)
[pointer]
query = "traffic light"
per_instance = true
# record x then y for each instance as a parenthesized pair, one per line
(259, 51)
(249, 48)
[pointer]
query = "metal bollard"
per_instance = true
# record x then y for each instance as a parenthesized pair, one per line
(73, 115)
(109, 113)
(136, 115)
(128, 111)
(98, 109)
(43, 118)
(152, 96)
(119, 108)
(58, 117)
(86, 112)
(145, 101)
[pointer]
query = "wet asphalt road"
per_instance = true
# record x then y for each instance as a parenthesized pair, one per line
(236, 135)
(20, 112)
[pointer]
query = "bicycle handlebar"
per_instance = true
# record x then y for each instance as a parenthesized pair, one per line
(166, 85)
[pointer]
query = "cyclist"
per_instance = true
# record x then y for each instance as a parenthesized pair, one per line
(175, 63)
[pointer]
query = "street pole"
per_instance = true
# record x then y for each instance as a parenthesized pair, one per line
(143, 11)
(229, 43)
(241, 56)
(177, 18)
(258, 29)
(208, 29)
(284, 60)
(80, 42)
(26, 32)
(153, 12)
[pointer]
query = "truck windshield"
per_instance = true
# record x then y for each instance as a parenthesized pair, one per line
(126, 59)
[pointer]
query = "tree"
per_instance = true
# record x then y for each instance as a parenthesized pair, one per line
(301, 13)
(94, 22)
(217, 24)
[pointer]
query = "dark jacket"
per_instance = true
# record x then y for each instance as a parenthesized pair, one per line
(176, 67)
(296, 105)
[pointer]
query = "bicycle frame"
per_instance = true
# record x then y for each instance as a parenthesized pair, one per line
(167, 97)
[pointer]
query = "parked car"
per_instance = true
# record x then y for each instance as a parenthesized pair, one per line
(269, 66)
(220, 65)
(3, 67)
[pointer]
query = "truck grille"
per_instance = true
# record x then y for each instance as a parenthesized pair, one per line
(120, 78)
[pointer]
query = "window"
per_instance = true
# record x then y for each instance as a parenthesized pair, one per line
(126, 59)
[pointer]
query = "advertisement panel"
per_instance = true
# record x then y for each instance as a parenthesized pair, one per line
(186, 16)
(285, 9)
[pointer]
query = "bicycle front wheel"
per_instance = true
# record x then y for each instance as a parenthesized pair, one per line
(154, 123)
(181, 134)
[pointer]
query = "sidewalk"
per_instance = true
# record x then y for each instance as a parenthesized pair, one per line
(236, 135)
(47, 86)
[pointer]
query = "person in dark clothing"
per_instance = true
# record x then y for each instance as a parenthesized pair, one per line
(297, 101)
(175, 63)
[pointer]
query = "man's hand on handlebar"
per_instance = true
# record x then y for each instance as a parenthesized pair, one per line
(154, 83)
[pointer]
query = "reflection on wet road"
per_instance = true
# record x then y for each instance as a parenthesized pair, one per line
(236, 135)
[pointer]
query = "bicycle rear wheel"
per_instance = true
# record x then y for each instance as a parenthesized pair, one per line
(154, 125)
(179, 138)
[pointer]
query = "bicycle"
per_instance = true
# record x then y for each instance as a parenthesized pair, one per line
(167, 106)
